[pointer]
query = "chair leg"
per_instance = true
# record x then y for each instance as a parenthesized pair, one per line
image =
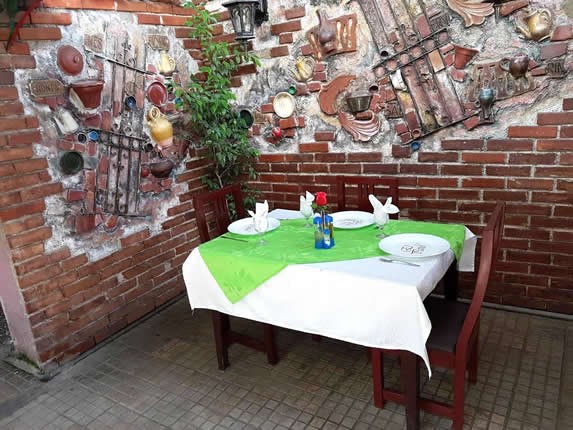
(220, 330)
(377, 360)
(270, 346)
(473, 362)
(459, 393)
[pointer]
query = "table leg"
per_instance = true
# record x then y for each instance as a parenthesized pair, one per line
(410, 376)
(220, 330)
(270, 346)
(377, 360)
(451, 283)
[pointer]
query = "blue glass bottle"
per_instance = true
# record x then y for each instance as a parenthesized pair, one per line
(318, 233)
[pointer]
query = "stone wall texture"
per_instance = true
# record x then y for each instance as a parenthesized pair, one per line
(73, 301)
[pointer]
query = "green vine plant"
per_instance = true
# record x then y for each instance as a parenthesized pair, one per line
(207, 102)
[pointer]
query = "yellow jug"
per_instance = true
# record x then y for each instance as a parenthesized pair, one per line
(166, 64)
(160, 128)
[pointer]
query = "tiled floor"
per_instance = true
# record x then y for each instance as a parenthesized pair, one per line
(163, 374)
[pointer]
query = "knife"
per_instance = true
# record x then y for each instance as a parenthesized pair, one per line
(233, 238)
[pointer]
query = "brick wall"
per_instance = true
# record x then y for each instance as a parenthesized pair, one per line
(531, 170)
(73, 303)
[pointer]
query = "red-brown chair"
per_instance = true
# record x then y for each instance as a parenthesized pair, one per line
(215, 205)
(453, 341)
(352, 192)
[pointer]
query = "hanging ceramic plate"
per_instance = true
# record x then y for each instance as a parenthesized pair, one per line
(352, 219)
(157, 93)
(284, 104)
(414, 245)
(246, 227)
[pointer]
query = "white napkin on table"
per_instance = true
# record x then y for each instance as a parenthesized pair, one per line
(306, 203)
(260, 216)
(382, 211)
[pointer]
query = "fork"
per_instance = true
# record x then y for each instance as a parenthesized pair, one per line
(389, 260)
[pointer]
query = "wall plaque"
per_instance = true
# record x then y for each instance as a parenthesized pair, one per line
(46, 88)
(556, 68)
(93, 42)
(158, 41)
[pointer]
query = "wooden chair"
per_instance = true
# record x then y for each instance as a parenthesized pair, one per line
(453, 341)
(352, 192)
(215, 205)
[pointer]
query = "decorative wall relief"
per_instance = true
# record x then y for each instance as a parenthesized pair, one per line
(332, 36)
(46, 88)
(329, 93)
(159, 42)
(508, 7)
(70, 60)
(304, 68)
(473, 12)
(556, 68)
(414, 83)
(508, 78)
(537, 25)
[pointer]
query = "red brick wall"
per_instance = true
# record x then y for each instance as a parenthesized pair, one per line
(531, 170)
(73, 303)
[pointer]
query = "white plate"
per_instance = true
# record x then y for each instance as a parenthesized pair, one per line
(246, 226)
(352, 219)
(414, 245)
(284, 104)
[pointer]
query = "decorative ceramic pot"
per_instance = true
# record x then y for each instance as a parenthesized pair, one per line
(162, 168)
(516, 66)
(485, 102)
(537, 25)
(160, 128)
(463, 56)
(304, 68)
(326, 32)
(89, 92)
(70, 60)
(359, 102)
(166, 64)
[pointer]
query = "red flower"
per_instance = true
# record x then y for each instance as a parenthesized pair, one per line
(321, 198)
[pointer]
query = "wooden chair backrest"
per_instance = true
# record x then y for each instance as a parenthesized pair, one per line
(215, 204)
(491, 243)
(352, 192)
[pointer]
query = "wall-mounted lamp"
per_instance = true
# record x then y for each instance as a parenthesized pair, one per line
(245, 14)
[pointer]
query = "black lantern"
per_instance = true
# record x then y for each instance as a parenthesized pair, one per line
(245, 14)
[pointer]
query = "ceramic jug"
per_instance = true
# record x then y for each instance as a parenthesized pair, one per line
(536, 25)
(326, 32)
(160, 128)
(166, 64)
(516, 66)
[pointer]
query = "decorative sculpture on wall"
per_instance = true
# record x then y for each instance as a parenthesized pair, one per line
(473, 12)
(332, 37)
(304, 68)
(508, 78)
(537, 25)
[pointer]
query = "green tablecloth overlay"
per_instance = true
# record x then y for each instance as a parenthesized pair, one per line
(240, 267)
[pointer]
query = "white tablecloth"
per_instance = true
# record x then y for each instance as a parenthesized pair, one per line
(365, 302)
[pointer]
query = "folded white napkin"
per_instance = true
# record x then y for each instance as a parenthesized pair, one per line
(306, 204)
(381, 211)
(260, 216)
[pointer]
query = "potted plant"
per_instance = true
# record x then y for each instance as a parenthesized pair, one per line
(207, 103)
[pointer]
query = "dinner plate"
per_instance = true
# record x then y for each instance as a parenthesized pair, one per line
(414, 245)
(352, 219)
(246, 226)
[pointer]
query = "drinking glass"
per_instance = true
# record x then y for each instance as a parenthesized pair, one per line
(261, 226)
(307, 212)
(380, 220)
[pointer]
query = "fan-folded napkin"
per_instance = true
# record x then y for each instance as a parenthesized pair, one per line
(306, 204)
(260, 216)
(382, 211)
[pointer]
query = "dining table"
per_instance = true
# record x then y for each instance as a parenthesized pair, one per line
(354, 292)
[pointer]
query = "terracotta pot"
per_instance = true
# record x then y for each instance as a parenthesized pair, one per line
(463, 56)
(161, 169)
(89, 92)
(326, 32)
(160, 128)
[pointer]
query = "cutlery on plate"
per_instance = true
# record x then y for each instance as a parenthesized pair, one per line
(233, 238)
(407, 263)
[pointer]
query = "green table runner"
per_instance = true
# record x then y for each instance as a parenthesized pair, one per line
(240, 267)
